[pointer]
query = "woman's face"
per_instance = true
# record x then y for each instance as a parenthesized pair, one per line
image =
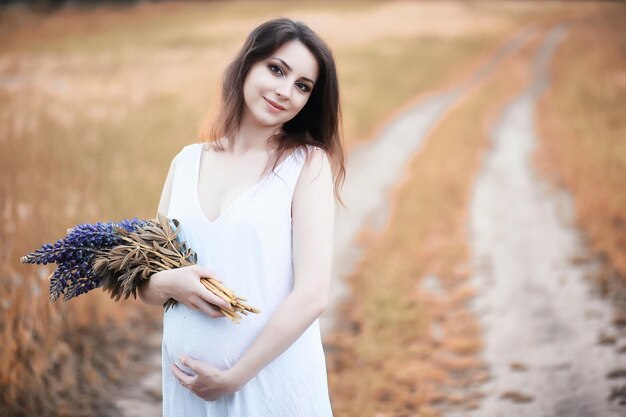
(278, 87)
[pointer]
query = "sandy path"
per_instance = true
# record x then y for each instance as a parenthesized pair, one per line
(542, 322)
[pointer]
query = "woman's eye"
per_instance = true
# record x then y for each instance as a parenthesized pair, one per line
(275, 69)
(303, 87)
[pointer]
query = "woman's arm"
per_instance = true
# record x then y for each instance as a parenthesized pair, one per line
(313, 220)
(152, 291)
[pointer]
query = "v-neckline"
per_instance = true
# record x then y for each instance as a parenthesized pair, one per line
(236, 199)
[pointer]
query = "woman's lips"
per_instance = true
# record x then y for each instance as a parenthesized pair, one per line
(274, 106)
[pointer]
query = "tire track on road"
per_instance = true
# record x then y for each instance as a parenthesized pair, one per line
(542, 323)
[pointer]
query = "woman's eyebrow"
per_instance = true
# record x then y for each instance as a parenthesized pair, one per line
(289, 68)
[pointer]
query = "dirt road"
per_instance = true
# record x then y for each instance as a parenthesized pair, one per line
(545, 331)
(375, 167)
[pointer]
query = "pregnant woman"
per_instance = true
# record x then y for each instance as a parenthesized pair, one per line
(266, 233)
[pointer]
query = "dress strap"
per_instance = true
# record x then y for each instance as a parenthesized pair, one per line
(182, 183)
(290, 170)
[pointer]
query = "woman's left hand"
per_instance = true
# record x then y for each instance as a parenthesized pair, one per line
(209, 382)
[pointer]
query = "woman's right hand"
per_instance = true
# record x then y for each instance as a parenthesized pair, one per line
(183, 285)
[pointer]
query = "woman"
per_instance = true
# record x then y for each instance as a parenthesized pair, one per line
(267, 236)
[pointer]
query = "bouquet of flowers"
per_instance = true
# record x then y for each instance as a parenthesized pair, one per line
(118, 257)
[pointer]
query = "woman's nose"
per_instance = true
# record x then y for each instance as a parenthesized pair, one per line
(284, 91)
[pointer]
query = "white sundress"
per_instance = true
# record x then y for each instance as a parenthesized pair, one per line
(249, 246)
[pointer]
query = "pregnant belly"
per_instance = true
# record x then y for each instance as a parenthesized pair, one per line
(217, 341)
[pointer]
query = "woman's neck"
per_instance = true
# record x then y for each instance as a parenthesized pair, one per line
(251, 137)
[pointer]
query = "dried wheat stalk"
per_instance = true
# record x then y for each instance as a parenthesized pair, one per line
(151, 249)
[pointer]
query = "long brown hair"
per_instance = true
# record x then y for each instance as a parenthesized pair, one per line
(319, 121)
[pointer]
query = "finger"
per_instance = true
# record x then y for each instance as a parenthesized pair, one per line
(207, 272)
(191, 363)
(210, 310)
(182, 377)
(216, 300)
(195, 302)
(205, 306)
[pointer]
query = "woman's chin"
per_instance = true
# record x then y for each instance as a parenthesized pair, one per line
(267, 119)
(269, 123)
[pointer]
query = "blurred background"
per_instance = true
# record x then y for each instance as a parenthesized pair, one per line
(96, 98)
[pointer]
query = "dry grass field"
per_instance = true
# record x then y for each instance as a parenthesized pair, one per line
(583, 128)
(94, 104)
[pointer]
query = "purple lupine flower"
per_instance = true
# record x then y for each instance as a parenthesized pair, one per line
(74, 255)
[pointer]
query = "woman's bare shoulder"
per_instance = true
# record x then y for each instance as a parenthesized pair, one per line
(310, 151)
(315, 163)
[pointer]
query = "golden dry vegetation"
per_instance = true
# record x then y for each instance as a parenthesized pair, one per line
(583, 131)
